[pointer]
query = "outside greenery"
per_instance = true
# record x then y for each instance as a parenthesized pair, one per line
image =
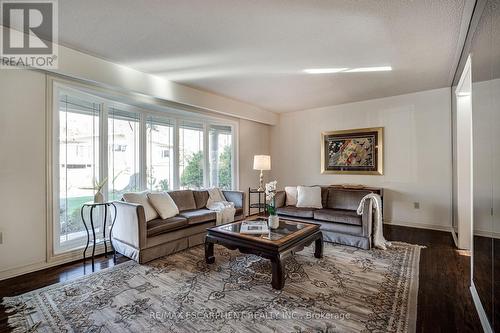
(192, 176)
(160, 186)
(225, 168)
(163, 185)
(74, 221)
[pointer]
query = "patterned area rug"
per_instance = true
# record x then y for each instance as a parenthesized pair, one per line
(349, 290)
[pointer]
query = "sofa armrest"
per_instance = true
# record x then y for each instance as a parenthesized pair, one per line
(367, 219)
(237, 197)
(130, 224)
(280, 199)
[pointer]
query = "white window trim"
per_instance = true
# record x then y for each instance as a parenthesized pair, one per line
(130, 101)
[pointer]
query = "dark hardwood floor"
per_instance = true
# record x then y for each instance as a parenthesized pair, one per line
(444, 301)
(24, 283)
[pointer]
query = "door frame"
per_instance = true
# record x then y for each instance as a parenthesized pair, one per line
(465, 189)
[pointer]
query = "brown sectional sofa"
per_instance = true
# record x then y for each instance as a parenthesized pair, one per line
(144, 241)
(338, 218)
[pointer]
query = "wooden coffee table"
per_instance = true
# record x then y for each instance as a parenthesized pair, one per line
(289, 238)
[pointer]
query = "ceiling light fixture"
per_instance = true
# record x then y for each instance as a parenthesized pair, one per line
(324, 70)
(370, 69)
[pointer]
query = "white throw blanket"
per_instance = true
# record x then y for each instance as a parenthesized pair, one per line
(378, 236)
(224, 209)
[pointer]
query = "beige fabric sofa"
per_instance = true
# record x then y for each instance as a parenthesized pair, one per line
(143, 241)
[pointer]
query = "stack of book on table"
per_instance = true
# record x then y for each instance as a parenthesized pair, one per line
(254, 227)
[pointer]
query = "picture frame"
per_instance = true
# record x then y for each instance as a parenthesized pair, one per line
(355, 151)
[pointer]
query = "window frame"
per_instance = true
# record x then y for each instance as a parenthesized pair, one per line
(127, 102)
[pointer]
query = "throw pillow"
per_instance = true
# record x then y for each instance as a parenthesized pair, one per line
(309, 197)
(141, 198)
(215, 194)
(291, 195)
(164, 204)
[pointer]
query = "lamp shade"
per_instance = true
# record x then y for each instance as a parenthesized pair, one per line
(262, 162)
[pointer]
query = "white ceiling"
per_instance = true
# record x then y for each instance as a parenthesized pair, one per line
(255, 51)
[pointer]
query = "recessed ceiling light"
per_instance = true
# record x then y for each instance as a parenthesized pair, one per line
(370, 69)
(324, 70)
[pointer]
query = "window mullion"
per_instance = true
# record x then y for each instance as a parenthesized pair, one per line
(177, 182)
(56, 222)
(206, 156)
(148, 123)
(142, 151)
(234, 158)
(103, 148)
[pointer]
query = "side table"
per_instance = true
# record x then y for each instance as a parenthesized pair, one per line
(92, 206)
(261, 202)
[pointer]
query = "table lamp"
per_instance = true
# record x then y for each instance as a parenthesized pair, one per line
(261, 162)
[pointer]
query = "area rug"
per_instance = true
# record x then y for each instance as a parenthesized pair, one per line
(348, 290)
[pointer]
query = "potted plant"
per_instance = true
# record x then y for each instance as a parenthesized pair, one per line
(273, 219)
(98, 196)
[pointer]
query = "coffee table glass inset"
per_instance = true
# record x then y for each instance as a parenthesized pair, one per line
(289, 238)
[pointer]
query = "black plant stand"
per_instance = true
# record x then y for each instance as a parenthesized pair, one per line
(92, 207)
(260, 204)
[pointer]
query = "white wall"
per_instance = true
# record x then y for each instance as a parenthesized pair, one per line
(417, 149)
(254, 140)
(23, 169)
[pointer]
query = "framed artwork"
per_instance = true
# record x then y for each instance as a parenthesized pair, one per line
(357, 151)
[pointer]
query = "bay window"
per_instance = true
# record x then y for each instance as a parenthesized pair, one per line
(128, 148)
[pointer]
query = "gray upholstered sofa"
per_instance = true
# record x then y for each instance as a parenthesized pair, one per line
(143, 240)
(338, 218)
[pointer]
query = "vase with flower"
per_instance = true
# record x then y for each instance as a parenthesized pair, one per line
(273, 220)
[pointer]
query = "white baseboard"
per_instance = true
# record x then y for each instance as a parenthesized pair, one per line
(420, 225)
(480, 310)
(63, 259)
(13, 272)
